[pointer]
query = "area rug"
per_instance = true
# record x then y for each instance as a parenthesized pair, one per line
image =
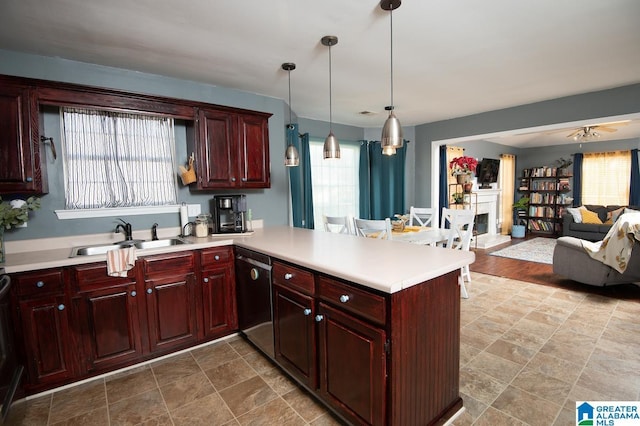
(535, 250)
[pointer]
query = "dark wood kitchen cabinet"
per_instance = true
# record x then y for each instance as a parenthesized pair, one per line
(42, 319)
(170, 296)
(293, 322)
(22, 170)
(219, 310)
(106, 312)
(232, 149)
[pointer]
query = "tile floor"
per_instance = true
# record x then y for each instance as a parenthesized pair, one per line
(528, 352)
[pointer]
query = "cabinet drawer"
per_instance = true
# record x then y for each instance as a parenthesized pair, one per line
(169, 262)
(367, 305)
(94, 275)
(215, 256)
(293, 277)
(40, 282)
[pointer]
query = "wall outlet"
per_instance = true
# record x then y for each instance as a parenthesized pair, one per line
(193, 210)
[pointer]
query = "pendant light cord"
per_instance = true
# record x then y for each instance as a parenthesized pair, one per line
(391, 15)
(289, 97)
(330, 101)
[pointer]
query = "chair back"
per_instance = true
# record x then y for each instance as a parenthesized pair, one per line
(460, 224)
(380, 229)
(421, 216)
(338, 224)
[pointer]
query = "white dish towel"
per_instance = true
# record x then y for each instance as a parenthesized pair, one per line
(119, 261)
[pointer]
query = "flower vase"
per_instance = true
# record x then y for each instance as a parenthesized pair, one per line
(462, 178)
(467, 186)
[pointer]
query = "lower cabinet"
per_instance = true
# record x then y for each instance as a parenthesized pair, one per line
(219, 310)
(169, 287)
(42, 319)
(107, 317)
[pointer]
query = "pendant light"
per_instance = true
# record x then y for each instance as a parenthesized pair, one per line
(291, 157)
(331, 145)
(392, 136)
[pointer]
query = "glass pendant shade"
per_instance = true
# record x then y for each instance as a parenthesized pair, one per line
(392, 136)
(331, 147)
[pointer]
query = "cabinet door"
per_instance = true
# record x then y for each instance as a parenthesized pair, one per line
(253, 155)
(19, 145)
(216, 163)
(110, 326)
(352, 366)
(171, 312)
(45, 327)
(294, 334)
(219, 301)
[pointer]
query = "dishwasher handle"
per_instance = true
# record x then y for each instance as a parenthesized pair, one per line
(254, 262)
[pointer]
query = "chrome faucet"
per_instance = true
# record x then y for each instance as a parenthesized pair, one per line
(154, 232)
(126, 229)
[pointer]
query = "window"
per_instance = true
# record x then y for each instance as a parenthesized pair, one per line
(606, 177)
(116, 159)
(334, 182)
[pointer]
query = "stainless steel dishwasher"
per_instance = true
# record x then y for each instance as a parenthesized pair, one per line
(253, 290)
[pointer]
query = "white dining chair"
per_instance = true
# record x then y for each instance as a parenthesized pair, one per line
(337, 224)
(460, 224)
(373, 228)
(421, 216)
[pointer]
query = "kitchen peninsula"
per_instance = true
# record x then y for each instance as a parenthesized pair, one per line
(399, 323)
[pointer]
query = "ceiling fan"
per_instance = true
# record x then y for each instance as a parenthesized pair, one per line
(587, 133)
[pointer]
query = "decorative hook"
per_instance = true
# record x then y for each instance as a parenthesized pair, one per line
(45, 139)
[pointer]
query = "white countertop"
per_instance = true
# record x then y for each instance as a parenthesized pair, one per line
(388, 266)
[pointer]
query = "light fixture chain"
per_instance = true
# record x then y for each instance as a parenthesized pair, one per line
(391, 15)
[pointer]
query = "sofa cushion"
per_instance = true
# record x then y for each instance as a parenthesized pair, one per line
(591, 217)
(586, 227)
(612, 214)
(575, 212)
(599, 209)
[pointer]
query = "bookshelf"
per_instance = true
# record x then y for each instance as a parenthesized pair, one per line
(548, 190)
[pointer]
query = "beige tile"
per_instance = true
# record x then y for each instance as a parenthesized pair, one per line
(579, 327)
(568, 352)
(77, 400)
(488, 326)
(538, 329)
(137, 409)
(543, 316)
(616, 387)
(230, 373)
(604, 361)
(541, 385)
(97, 417)
(326, 420)
(210, 410)
(274, 412)
(472, 406)
(475, 338)
(495, 366)
(526, 407)
(213, 355)
(127, 385)
(30, 412)
(163, 420)
(467, 353)
(493, 417)
(185, 390)
(479, 385)
(259, 362)
(247, 395)
(566, 417)
(556, 368)
(278, 381)
(171, 369)
(512, 352)
(241, 346)
(304, 404)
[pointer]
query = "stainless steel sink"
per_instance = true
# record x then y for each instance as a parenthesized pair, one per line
(139, 244)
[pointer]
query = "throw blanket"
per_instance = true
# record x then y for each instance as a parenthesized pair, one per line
(119, 261)
(615, 249)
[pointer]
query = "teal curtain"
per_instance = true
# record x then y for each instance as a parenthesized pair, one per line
(634, 189)
(381, 181)
(300, 178)
(577, 179)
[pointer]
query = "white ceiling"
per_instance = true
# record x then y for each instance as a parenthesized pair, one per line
(451, 58)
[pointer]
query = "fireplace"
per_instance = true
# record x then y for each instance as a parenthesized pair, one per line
(482, 223)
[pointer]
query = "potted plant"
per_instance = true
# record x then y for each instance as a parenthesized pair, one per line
(457, 197)
(14, 214)
(518, 229)
(463, 167)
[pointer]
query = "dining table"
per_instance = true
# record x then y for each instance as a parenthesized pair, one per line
(421, 235)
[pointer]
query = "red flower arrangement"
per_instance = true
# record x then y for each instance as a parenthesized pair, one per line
(463, 165)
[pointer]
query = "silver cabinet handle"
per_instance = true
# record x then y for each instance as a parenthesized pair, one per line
(244, 179)
(40, 284)
(61, 307)
(288, 276)
(319, 318)
(216, 257)
(233, 179)
(134, 293)
(344, 298)
(307, 312)
(29, 179)
(206, 280)
(149, 291)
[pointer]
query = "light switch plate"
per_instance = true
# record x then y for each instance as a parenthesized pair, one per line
(193, 210)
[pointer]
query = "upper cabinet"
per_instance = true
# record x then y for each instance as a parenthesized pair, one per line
(232, 149)
(22, 170)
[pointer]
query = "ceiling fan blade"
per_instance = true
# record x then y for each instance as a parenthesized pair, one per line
(613, 123)
(575, 132)
(604, 129)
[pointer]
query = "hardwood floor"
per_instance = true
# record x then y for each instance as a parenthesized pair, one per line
(541, 273)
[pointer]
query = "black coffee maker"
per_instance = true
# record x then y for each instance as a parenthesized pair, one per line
(230, 211)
